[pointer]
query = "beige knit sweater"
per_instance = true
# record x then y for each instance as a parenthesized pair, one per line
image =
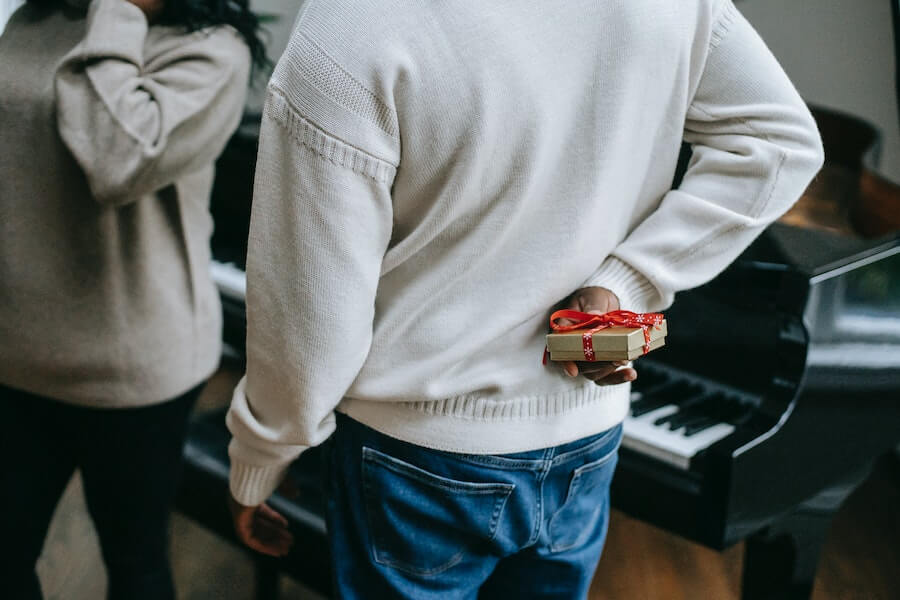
(108, 132)
(434, 177)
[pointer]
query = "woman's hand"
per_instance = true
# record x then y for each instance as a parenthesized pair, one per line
(152, 8)
(598, 301)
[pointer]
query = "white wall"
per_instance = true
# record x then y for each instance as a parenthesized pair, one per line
(277, 36)
(286, 11)
(839, 54)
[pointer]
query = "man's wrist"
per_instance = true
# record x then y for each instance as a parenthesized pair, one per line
(633, 290)
(251, 485)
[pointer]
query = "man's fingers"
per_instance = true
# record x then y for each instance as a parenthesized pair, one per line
(591, 370)
(268, 512)
(618, 377)
(268, 536)
(601, 374)
(262, 528)
(598, 368)
(570, 368)
(269, 521)
(268, 533)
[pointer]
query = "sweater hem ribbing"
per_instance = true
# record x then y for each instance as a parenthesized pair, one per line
(482, 425)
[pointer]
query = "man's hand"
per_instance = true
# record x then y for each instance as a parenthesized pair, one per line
(152, 8)
(261, 528)
(596, 300)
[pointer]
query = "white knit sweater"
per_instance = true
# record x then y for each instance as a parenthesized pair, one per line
(434, 177)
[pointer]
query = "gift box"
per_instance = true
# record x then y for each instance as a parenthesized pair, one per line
(603, 338)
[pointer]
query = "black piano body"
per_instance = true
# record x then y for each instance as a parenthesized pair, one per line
(806, 325)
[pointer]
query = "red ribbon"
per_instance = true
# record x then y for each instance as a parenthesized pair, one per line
(592, 323)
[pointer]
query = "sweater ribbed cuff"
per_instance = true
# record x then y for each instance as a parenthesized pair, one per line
(115, 28)
(251, 485)
(635, 292)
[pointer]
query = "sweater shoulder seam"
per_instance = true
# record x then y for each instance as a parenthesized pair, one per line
(328, 147)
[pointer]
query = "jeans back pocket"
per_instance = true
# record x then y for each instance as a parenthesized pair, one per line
(424, 523)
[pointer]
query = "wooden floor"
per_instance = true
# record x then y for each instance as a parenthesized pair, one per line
(861, 558)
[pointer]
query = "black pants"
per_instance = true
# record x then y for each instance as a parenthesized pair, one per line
(130, 462)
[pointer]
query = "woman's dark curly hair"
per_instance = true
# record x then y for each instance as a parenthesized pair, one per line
(198, 14)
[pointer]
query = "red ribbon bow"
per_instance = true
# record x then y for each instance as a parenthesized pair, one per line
(592, 323)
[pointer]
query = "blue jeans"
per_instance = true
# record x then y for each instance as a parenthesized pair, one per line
(409, 522)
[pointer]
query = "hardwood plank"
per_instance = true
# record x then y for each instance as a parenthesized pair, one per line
(642, 562)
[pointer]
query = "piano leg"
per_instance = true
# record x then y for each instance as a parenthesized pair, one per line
(780, 561)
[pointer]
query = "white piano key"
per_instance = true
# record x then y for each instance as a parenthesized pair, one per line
(230, 280)
(661, 443)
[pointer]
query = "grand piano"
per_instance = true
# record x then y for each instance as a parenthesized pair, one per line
(780, 382)
(777, 392)
(778, 388)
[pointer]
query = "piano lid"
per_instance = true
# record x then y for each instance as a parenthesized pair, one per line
(816, 253)
(843, 290)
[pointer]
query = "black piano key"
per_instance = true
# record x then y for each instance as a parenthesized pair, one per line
(697, 427)
(670, 394)
(666, 419)
(639, 392)
(710, 408)
(690, 420)
(687, 410)
(646, 405)
(696, 414)
(731, 411)
(651, 402)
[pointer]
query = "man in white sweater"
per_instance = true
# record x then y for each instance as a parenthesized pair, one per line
(433, 179)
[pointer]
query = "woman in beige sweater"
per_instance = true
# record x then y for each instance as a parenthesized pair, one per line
(111, 116)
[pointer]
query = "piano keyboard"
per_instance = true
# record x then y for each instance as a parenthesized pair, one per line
(231, 280)
(673, 419)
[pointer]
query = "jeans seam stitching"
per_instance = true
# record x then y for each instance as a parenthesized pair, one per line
(575, 454)
(573, 488)
(539, 513)
(445, 483)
